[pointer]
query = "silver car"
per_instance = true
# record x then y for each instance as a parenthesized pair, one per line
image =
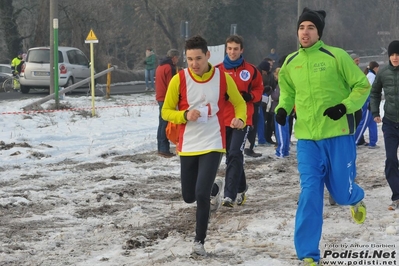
(73, 67)
(5, 73)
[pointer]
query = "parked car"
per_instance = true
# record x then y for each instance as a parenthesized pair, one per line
(73, 67)
(5, 72)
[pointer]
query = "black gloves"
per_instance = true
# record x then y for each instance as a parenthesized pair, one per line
(226, 97)
(335, 112)
(281, 116)
(247, 96)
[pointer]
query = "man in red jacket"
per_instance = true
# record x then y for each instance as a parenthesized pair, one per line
(249, 82)
(164, 73)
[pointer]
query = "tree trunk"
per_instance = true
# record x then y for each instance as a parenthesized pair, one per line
(42, 34)
(12, 36)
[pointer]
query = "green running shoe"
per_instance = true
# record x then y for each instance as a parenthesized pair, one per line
(359, 212)
(309, 262)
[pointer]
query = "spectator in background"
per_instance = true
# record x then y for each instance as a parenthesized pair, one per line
(150, 65)
(326, 89)
(16, 64)
(360, 140)
(387, 79)
(265, 67)
(367, 118)
(164, 73)
(282, 131)
(292, 116)
(269, 84)
(258, 119)
(355, 58)
(199, 92)
(273, 55)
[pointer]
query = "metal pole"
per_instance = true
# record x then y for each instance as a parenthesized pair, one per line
(299, 13)
(108, 83)
(56, 85)
(53, 3)
(233, 29)
(186, 30)
(92, 85)
(186, 38)
(299, 7)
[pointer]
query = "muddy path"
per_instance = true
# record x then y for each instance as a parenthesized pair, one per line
(128, 210)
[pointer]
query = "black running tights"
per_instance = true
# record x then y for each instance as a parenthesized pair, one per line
(197, 176)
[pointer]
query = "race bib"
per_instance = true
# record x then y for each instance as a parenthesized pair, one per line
(203, 114)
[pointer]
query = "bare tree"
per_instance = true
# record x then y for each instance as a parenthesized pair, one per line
(42, 29)
(10, 27)
(125, 28)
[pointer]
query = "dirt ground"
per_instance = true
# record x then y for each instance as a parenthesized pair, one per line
(128, 210)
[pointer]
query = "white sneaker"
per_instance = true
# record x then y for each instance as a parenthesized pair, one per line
(228, 202)
(216, 200)
(198, 249)
(147, 89)
(242, 197)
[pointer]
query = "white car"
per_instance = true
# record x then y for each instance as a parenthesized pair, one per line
(73, 67)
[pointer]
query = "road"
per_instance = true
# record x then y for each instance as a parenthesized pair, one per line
(117, 89)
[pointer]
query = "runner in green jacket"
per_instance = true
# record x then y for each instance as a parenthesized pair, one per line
(326, 88)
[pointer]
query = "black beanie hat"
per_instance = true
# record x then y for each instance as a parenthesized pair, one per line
(315, 16)
(393, 48)
(264, 65)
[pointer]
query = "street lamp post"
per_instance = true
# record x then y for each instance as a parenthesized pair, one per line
(54, 50)
(184, 33)
(299, 11)
(233, 29)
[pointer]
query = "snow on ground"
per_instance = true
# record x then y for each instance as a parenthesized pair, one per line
(83, 190)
